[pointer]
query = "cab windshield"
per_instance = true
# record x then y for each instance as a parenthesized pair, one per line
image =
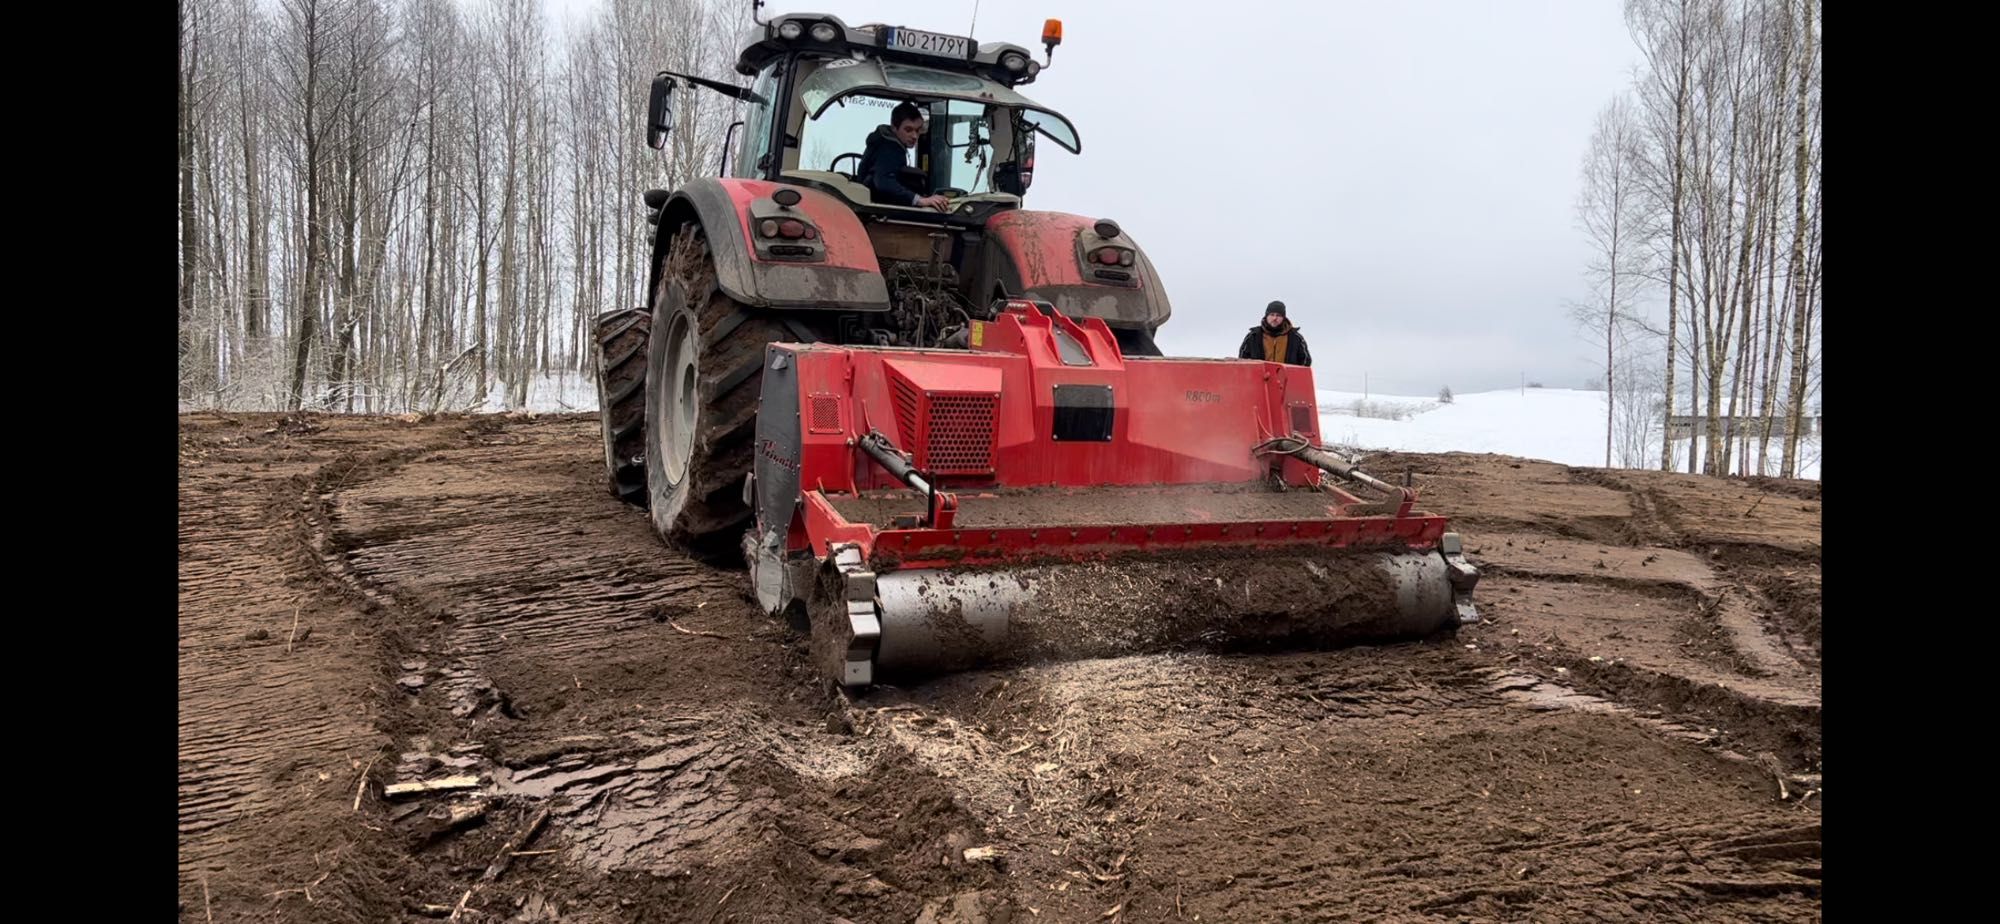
(956, 148)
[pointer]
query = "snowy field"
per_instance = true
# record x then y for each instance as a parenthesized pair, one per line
(1553, 424)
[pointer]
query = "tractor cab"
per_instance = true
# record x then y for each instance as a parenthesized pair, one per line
(977, 148)
(821, 88)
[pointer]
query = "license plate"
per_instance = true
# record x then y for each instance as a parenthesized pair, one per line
(930, 43)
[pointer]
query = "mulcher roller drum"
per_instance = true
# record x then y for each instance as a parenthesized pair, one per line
(934, 621)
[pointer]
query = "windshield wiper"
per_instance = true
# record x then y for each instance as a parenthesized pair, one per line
(727, 89)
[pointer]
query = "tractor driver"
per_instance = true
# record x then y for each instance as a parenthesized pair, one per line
(884, 164)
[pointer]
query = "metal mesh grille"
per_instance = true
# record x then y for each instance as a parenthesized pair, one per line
(825, 414)
(961, 434)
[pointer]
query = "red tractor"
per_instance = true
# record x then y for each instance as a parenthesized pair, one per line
(808, 348)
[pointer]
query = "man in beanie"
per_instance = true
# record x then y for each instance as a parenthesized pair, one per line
(1275, 340)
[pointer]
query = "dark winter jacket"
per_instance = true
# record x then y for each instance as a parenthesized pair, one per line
(1296, 353)
(883, 165)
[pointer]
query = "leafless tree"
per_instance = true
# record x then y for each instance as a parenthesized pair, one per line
(1607, 210)
(310, 36)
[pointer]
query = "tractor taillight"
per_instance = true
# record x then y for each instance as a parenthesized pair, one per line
(812, 233)
(791, 228)
(1124, 258)
(1108, 256)
(768, 227)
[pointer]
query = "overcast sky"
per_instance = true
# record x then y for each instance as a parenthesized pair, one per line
(1401, 174)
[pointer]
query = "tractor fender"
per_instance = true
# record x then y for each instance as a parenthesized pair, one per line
(1035, 254)
(845, 277)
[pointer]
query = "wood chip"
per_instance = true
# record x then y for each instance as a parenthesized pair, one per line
(446, 784)
(677, 628)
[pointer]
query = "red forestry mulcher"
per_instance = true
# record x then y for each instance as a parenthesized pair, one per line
(943, 438)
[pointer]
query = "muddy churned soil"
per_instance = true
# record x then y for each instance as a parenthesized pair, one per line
(431, 668)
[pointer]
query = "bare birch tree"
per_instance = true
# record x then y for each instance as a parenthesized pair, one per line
(1607, 210)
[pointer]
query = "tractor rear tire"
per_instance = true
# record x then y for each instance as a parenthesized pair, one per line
(621, 400)
(704, 375)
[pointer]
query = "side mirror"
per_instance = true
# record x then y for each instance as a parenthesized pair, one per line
(660, 111)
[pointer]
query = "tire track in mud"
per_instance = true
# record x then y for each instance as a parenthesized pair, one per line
(1752, 548)
(499, 547)
(236, 614)
(274, 676)
(534, 595)
(1762, 666)
(1666, 606)
(1658, 630)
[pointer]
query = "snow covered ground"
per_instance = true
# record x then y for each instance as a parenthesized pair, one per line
(548, 393)
(551, 393)
(1555, 424)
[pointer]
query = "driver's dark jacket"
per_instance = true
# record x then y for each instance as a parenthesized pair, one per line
(1296, 353)
(880, 164)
